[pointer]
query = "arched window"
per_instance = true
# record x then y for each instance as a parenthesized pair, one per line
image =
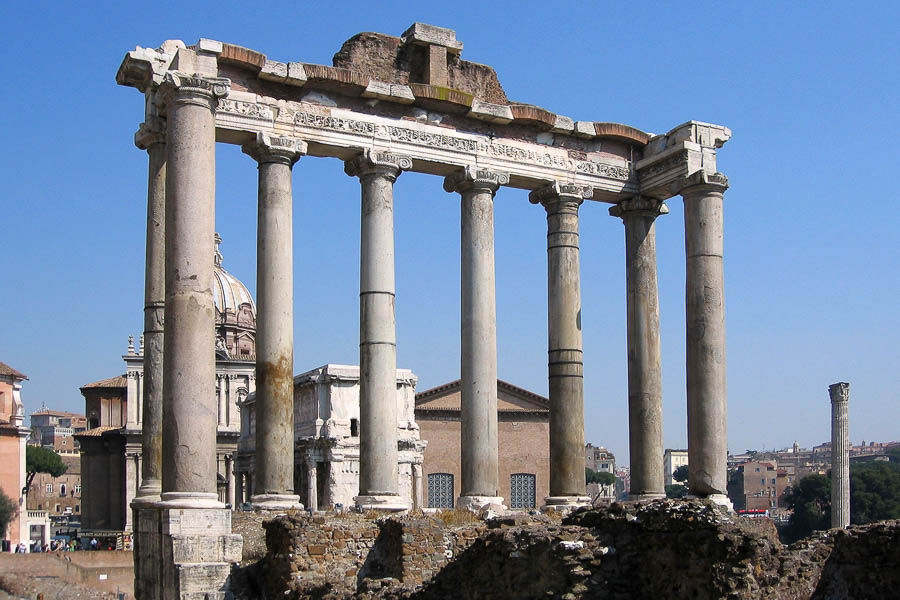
(440, 490)
(522, 490)
(62, 489)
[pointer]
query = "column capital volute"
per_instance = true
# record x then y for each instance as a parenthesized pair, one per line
(557, 193)
(700, 182)
(639, 206)
(376, 162)
(192, 89)
(151, 131)
(275, 149)
(475, 179)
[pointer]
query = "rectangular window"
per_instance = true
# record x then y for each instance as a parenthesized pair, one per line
(77, 488)
(440, 490)
(521, 490)
(764, 481)
(773, 481)
(49, 488)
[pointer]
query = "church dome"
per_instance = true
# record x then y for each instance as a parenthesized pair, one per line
(235, 313)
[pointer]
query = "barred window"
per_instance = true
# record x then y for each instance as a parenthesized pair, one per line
(522, 490)
(440, 490)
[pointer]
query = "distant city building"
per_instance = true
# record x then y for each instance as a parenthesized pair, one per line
(600, 460)
(759, 485)
(54, 429)
(58, 495)
(623, 482)
(672, 459)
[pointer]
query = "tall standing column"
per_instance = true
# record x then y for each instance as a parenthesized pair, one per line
(564, 361)
(189, 401)
(644, 374)
(840, 454)
(705, 307)
(378, 480)
(312, 485)
(478, 367)
(274, 485)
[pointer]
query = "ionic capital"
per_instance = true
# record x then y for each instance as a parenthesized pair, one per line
(373, 162)
(151, 131)
(275, 149)
(700, 182)
(558, 196)
(475, 179)
(193, 89)
(639, 206)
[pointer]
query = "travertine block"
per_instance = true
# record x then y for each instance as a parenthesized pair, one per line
(486, 111)
(274, 71)
(296, 74)
(391, 92)
(422, 33)
(585, 129)
(563, 125)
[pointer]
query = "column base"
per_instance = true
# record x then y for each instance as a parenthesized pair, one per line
(189, 500)
(382, 502)
(477, 503)
(148, 492)
(276, 502)
(645, 496)
(564, 503)
(720, 499)
(183, 553)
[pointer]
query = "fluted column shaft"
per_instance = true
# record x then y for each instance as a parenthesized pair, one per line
(565, 363)
(705, 307)
(478, 366)
(274, 485)
(189, 401)
(644, 373)
(840, 454)
(378, 479)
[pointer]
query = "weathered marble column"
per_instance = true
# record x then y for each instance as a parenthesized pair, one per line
(705, 306)
(378, 479)
(564, 361)
(840, 454)
(479, 484)
(274, 486)
(230, 479)
(189, 401)
(644, 374)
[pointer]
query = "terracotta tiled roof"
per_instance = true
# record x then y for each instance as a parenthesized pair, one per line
(118, 381)
(96, 431)
(57, 413)
(5, 369)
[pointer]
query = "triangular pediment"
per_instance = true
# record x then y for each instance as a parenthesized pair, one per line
(510, 398)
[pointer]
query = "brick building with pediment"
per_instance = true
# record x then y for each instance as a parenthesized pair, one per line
(523, 437)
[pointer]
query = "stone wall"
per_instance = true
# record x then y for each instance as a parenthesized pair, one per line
(662, 549)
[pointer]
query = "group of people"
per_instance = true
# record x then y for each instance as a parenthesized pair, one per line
(53, 546)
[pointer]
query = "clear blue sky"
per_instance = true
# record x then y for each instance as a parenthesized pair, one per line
(812, 253)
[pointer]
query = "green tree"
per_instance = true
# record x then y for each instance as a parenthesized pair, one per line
(601, 477)
(42, 460)
(810, 499)
(874, 492)
(681, 474)
(676, 490)
(7, 512)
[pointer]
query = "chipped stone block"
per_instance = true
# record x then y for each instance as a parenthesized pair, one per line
(391, 92)
(422, 33)
(585, 129)
(212, 46)
(296, 74)
(487, 111)
(274, 71)
(563, 125)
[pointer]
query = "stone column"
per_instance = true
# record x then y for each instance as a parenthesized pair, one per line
(644, 373)
(230, 479)
(378, 480)
(840, 455)
(312, 489)
(705, 306)
(565, 366)
(220, 410)
(189, 453)
(478, 369)
(274, 486)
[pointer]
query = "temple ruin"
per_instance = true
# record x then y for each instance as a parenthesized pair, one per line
(388, 105)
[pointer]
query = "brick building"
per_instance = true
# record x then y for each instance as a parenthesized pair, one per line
(759, 485)
(13, 434)
(524, 441)
(58, 495)
(54, 429)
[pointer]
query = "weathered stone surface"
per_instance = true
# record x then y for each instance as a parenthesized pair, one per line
(662, 549)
